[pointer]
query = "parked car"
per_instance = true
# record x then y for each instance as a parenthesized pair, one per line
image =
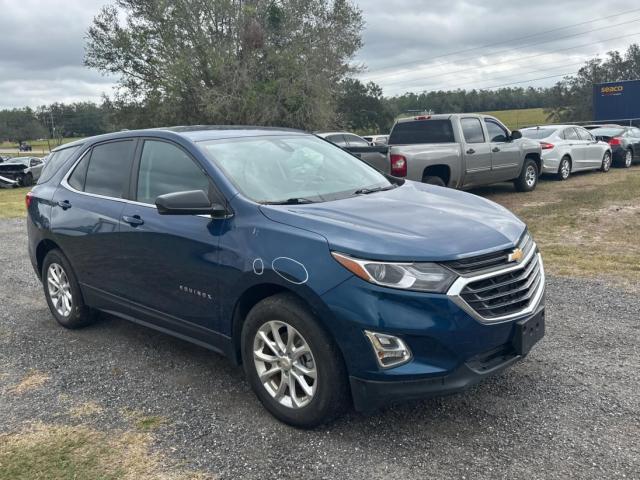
(462, 151)
(374, 155)
(24, 147)
(594, 126)
(569, 148)
(329, 281)
(21, 171)
(377, 139)
(624, 142)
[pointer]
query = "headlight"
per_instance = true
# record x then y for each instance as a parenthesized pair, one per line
(421, 276)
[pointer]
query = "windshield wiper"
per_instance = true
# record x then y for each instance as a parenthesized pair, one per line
(367, 191)
(291, 201)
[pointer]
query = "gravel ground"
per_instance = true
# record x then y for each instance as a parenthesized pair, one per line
(570, 410)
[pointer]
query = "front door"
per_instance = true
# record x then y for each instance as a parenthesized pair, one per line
(505, 154)
(476, 152)
(578, 149)
(172, 260)
(592, 151)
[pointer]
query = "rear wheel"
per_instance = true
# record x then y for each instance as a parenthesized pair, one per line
(606, 162)
(628, 159)
(431, 180)
(292, 365)
(528, 179)
(63, 294)
(564, 169)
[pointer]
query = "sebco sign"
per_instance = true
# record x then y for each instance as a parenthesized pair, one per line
(616, 101)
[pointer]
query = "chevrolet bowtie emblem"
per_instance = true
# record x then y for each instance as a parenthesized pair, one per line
(516, 255)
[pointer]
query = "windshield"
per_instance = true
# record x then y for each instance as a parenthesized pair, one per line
(294, 169)
(16, 161)
(607, 132)
(537, 133)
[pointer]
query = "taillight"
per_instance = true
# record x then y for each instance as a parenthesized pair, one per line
(615, 141)
(27, 199)
(422, 117)
(546, 145)
(398, 166)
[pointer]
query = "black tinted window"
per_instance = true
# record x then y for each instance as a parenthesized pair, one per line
(165, 168)
(472, 130)
(77, 178)
(54, 162)
(109, 169)
(496, 132)
(338, 140)
(422, 131)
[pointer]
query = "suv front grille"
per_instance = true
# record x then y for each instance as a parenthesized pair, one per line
(489, 261)
(504, 293)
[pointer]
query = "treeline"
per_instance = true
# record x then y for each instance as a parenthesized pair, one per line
(349, 104)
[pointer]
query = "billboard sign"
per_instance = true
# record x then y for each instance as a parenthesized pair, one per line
(616, 100)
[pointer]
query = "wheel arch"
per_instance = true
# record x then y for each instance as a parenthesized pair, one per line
(536, 157)
(441, 170)
(44, 247)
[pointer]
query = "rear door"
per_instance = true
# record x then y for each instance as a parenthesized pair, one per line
(86, 213)
(576, 146)
(172, 260)
(476, 152)
(505, 155)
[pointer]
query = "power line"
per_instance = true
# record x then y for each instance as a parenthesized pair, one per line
(504, 42)
(518, 60)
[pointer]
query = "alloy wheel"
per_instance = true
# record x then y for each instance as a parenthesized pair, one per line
(285, 364)
(628, 158)
(565, 169)
(606, 162)
(59, 289)
(531, 176)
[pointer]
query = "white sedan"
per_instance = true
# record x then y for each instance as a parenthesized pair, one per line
(569, 148)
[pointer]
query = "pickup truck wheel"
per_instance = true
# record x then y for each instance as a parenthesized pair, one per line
(528, 179)
(431, 180)
(564, 169)
(63, 294)
(606, 162)
(292, 365)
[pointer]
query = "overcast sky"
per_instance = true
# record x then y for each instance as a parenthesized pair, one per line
(409, 44)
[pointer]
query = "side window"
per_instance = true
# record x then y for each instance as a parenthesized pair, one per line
(571, 134)
(635, 132)
(54, 162)
(109, 169)
(338, 140)
(355, 141)
(77, 178)
(584, 134)
(497, 133)
(165, 168)
(472, 130)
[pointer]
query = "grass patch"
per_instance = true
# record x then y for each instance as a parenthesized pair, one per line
(148, 424)
(519, 118)
(12, 202)
(32, 381)
(62, 452)
(588, 226)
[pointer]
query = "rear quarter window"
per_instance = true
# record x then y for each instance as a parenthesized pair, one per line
(55, 161)
(422, 131)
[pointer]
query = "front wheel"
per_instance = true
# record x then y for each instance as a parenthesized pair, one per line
(528, 179)
(606, 162)
(628, 159)
(27, 180)
(292, 365)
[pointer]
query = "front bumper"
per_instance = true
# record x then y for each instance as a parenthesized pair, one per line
(8, 182)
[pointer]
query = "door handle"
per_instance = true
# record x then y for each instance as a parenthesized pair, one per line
(64, 204)
(495, 150)
(471, 151)
(134, 221)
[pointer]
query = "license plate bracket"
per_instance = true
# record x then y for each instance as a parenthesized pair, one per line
(528, 332)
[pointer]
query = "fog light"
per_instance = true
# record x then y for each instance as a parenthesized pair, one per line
(390, 351)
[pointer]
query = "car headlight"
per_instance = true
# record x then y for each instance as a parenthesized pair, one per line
(419, 276)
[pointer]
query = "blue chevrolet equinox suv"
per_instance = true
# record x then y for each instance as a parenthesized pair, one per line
(331, 283)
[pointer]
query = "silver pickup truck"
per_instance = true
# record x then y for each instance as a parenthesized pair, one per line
(461, 151)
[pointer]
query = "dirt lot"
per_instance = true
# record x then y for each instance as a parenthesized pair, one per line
(119, 401)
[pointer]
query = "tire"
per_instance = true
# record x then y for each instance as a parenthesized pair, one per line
(564, 169)
(329, 390)
(528, 179)
(27, 180)
(606, 162)
(57, 270)
(431, 180)
(628, 158)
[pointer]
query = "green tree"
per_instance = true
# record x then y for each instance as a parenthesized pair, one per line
(265, 62)
(20, 124)
(362, 108)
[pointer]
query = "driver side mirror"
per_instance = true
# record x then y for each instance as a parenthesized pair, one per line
(194, 202)
(515, 135)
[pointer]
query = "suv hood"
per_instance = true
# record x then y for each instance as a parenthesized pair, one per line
(413, 222)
